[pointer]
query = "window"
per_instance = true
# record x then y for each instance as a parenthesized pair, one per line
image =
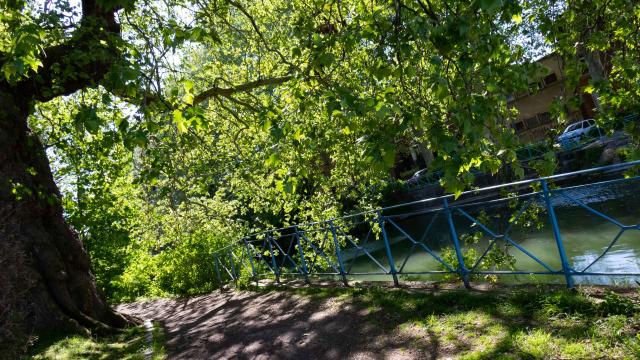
(574, 127)
(544, 118)
(519, 126)
(532, 122)
(550, 79)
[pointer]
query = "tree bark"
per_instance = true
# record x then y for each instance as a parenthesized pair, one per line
(51, 287)
(596, 72)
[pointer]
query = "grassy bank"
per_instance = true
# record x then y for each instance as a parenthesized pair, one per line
(511, 323)
(132, 344)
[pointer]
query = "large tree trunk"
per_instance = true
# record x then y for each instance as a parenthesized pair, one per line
(46, 283)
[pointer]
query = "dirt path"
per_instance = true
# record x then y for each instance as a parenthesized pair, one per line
(279, 325)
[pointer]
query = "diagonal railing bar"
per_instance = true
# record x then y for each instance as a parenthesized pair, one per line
(286, 256)
(303, 261)
(263, 258)
(615, 240)
(507, 238)
(414, 244)
(365, 251)
(217, 268)
(506, 233)
(273, 258)
(318, 252)
(250, 256)
(233, 266)
(406, 259)
(622, 226)
(590, 209)
(242, 263)
(425, 247)
(336, 245)
(227, 270)
(433, 220)
(364, 242)
(288, 252)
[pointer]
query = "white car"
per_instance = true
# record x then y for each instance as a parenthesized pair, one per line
(577, 131)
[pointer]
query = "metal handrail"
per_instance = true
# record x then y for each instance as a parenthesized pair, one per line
(335, 237)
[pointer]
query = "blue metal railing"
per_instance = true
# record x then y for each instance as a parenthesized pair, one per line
(368, 243)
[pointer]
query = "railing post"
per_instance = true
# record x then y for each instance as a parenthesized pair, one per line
(250, 256)
(566, 268)
(462, 269)
(387, 247)
(303, 262)
(216, 261)
(338, 254)
(276, 271)
(234, 275)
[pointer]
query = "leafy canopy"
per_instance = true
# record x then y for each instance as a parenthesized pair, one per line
(211, 118)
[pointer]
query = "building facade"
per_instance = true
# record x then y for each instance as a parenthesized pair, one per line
(534, 119)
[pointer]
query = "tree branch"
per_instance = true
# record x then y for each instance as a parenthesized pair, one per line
(428, 10)
(81, 61)
(226, 92)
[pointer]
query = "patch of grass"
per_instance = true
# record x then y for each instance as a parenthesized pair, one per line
(128, 345)
(536, 344)
(157, 345)
(576, 350)
(511, 323)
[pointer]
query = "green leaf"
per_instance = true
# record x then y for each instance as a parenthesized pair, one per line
(266, 125)
(519, 172)
(325, 59)
(290, 185)
(179, 120)
(188, 86)
(298, 135)
(272, 160)
(516, 18)
(188, 99)
(87, 118)
(389, 155)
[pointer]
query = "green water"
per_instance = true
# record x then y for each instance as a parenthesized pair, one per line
(585, 236)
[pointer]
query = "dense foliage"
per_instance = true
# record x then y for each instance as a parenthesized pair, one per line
(222, 117)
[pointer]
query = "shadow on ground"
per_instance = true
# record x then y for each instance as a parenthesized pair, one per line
(365, 323)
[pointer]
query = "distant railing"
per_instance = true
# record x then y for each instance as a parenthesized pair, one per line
(380, 243)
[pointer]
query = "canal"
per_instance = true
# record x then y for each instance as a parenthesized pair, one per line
(585, 235)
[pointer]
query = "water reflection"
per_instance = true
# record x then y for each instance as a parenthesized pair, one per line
(615, 261)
